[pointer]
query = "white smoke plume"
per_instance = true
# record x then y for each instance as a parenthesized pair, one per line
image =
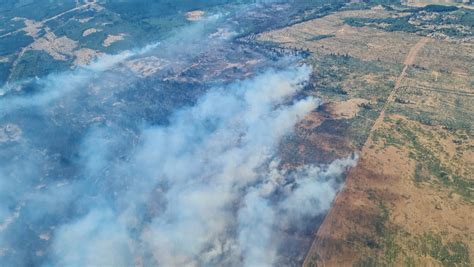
(102, 187)
(209, 183)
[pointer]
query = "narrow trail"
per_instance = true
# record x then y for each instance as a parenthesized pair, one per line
(15, 63)
(409, 60)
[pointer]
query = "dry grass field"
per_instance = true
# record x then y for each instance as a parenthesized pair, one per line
(405, 101)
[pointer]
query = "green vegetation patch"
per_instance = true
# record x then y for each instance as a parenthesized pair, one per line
(321, 37)
(449, 254)
(4, 72)
(14, 43)
(37, 63)
(390, 24)
(35, 9)
(447, 20)
(430, 166)
(333, 73)
(438, 8)
(387, 137)
(380, 247)
(338, 78)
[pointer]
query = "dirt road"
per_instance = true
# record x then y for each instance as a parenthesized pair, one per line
(409, 60)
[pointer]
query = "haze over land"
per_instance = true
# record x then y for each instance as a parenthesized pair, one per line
(219, 133)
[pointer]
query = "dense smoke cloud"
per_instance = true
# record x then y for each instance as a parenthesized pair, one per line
(86, 181)
(205, 189)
